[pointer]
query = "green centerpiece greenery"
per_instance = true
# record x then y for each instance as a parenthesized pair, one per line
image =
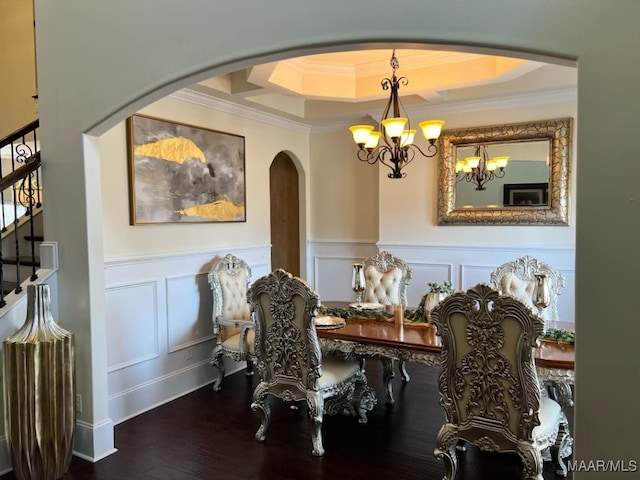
(416, 315)
(559, 335)
(440, 287)
(347, 313)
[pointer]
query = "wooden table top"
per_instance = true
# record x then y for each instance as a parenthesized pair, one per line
(422, 337)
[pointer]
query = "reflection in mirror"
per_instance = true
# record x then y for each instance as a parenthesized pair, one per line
(533, 188)
(528, 164)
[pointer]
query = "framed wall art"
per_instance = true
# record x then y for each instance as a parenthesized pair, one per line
(525, 194)
(181, 173)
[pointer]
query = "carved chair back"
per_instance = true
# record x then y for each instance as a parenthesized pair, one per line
(229, 280)
(386, 279)
(287, 347)
(517, 278)
(488, 384)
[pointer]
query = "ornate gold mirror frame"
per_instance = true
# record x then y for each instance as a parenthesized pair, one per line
(556, 212)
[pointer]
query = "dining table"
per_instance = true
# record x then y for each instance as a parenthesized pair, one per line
(381, 337)
(375, 335)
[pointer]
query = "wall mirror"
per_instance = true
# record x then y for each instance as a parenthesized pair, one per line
(533, 187)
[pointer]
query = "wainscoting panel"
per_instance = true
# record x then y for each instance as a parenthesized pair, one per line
(131, 308)
(464, 266)
(159, 325)
(332, 267)
(189, 307)
(423, 273)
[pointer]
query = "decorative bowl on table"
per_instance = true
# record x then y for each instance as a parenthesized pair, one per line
(367, 306)
(327, 322)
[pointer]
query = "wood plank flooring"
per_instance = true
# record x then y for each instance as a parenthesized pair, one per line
(208, 435)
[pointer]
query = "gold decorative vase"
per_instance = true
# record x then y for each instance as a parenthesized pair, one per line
(39, 392)
(431, 301)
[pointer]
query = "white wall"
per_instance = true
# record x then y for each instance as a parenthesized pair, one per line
(262, 143)
(344, 214)
(344, 191)
(138, 55)
(158, 310)
(408, 207)
(157, 299)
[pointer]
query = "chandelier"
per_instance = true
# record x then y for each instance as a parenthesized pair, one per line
(479, 169)
(395, 131)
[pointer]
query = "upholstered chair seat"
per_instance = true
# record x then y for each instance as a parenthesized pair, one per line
(289, 361)
(549, 415)
(336, 371)
(235, 342)
(232, 324)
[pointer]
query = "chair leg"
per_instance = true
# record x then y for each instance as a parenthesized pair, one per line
(260, 403)
(249, 368)
(387, 376)
(403, 372)
(446, 450)
(316, 412)
(364, 398)
(218, 363)
(531, 460)
(562, 447)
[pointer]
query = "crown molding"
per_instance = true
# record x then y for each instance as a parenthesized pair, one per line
(514, 100)
(441, 110)
(197, 98)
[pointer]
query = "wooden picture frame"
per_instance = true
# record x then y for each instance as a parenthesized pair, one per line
(526, 194)
(181, 173)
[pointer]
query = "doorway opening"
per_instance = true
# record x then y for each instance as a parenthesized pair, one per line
(285, 214)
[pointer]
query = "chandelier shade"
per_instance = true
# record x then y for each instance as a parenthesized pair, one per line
(397, 149)
(479, 168)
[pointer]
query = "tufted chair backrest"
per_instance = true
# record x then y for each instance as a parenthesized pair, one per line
(386, 279)
(517, 279)
(229, 280)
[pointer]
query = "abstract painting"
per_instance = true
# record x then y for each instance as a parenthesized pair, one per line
(181, 173)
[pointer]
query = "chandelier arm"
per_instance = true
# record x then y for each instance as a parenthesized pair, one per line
(369, 157)
(432, 149)
(392, 154)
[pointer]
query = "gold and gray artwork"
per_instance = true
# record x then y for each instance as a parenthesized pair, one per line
(183, 173)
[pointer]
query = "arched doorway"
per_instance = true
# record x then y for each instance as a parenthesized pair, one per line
(285, 214)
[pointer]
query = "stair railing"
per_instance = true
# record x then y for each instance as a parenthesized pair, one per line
(20, 197)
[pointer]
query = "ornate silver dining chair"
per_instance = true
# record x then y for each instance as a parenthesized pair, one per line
(517, 278)
(386, 281)
(232, 325)
(289, 361)
(488, 384)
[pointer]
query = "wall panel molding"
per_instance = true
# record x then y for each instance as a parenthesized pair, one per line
(462, 265)
(177, 316)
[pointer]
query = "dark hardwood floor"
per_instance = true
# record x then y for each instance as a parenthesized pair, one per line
(208, 435)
